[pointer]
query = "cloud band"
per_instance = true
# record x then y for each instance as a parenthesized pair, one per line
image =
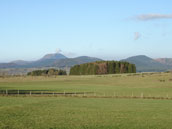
(146, 17)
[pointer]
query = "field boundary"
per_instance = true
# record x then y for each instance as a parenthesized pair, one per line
(38, 93)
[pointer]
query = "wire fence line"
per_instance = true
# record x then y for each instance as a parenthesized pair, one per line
(40, 93)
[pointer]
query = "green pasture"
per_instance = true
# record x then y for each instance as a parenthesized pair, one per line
(43, 112)
(149, 84)
(84, 113)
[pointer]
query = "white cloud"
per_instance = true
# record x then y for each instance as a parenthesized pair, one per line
(137, 35)
(58, 50)
(146, 17)
(70, 54)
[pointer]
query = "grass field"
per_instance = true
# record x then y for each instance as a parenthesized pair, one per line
(88, 113)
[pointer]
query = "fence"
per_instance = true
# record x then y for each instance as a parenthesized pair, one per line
(40, 93)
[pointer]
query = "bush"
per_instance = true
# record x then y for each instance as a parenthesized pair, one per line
(47, 72)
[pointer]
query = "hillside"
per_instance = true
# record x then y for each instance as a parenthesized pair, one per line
(165, 61)
(147, 64)
(55, 56)
(20, 62)
(69, 62)
(8, 65)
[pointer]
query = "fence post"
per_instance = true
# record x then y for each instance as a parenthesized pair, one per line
(167, 95)
(149, 95)
(141, 95)
(94, 93)
(64, 92)
(132, 95)
(6, 92)
(53, 93)
(18, 92)
(30, 93)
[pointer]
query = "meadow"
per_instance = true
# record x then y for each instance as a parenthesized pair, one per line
(60, 112)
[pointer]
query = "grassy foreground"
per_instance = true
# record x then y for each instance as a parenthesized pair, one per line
(81, 113)
(88, 113)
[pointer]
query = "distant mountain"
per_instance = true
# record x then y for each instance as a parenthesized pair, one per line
(57, 60)
(45, 61)
(49, 60)
(8, 65)
(68, 62)
(20, 62)
(147, 64)
(55, 56)
(165, 61)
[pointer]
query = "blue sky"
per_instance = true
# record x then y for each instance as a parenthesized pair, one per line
(108, 29)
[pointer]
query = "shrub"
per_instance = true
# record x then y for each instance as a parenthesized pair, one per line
(47, 72)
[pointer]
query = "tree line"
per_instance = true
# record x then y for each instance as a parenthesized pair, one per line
(47, 72)
(103, 67)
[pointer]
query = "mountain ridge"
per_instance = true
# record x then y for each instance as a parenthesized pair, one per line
(49, 60)
(166, 61)
(146, 64)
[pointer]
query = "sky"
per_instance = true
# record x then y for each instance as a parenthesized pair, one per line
(108, 29)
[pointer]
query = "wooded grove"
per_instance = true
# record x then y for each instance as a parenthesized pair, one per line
(103, 67)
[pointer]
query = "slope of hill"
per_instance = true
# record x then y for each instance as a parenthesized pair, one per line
(166, 61)
(8, 65)
(55, 56)
(147, 64)
(20, 62)
(73, 61)
(45, 61)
